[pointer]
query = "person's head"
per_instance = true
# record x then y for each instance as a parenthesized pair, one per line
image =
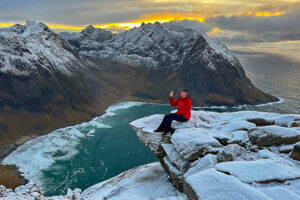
(183, 93)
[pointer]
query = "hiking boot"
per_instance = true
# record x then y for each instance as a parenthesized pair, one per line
(172, 130)
(165, 132)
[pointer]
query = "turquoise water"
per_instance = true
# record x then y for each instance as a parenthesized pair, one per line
(108, 152)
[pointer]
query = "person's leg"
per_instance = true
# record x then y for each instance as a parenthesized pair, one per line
(168, 122)
(180, 118)
(162, 125)
(170, 118)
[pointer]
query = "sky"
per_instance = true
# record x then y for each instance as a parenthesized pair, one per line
(231, 21)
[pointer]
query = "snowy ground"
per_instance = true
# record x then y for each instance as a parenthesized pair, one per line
(239, 155)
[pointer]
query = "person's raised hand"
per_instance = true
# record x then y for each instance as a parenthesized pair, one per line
(171, 93)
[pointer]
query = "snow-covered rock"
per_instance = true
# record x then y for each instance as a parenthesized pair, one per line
(144, 182)
(229, 153)
(295, 154)
(212, 184)
(30, 191)
(260, 171)
(192, 143)
(273, 135)
(211, 156)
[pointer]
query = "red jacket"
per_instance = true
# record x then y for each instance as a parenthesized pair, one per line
(184, 106)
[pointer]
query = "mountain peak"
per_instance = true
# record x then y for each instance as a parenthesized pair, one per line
(96, 34)
(34, 27)
(89, 29)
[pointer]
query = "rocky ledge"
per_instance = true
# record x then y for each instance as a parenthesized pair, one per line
(239, 155)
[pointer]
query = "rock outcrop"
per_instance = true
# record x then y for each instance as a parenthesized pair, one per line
(239, 155)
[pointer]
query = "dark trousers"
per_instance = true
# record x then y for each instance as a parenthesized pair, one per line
(167, 121)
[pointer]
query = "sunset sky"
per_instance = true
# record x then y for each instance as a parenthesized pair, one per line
(236, 21)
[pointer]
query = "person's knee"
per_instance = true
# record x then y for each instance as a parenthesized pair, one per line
(167, 115)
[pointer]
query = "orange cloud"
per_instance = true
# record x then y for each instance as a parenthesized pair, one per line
(150, 18)
(213, 31)
(268, 14)
(257, 13)
(6, 24)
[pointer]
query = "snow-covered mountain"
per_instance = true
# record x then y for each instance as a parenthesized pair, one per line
(179, 57)
(151, 45)
(34, 48)
(42, 81)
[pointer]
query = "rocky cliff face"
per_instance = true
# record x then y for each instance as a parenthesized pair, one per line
(241, 155)
(183, 57)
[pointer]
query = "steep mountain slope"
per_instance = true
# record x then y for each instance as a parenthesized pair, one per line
(45, 83)
(176, 57)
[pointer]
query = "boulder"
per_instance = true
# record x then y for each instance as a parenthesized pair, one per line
(273, 135)
(229, 153)
(192, 143)
(175, 158)
(211, 184)
(286, 120)
(239, 137)
(208, 161)
(295, 154)
(260, 171)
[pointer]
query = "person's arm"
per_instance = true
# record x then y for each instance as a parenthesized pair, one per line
(171, 99)
(172, 102)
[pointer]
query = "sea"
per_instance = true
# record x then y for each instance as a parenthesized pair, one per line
(82, 155)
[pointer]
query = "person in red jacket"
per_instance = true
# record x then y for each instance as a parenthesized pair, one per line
(183, 114)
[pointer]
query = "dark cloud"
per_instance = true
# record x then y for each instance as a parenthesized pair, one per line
(196, 25)
(286, 22)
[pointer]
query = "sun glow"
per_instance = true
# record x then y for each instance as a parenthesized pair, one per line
(268, 14)
(149, 18)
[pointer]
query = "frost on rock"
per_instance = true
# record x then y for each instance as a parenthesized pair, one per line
(30, 191)
(229, 153)
(295, 154)
(212, 184)
(192, 143)
(262, 170)
(208, 161)
(144, 182)
(212, 155)
(273, 135)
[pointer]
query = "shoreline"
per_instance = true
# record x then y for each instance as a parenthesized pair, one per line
(10, 173)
